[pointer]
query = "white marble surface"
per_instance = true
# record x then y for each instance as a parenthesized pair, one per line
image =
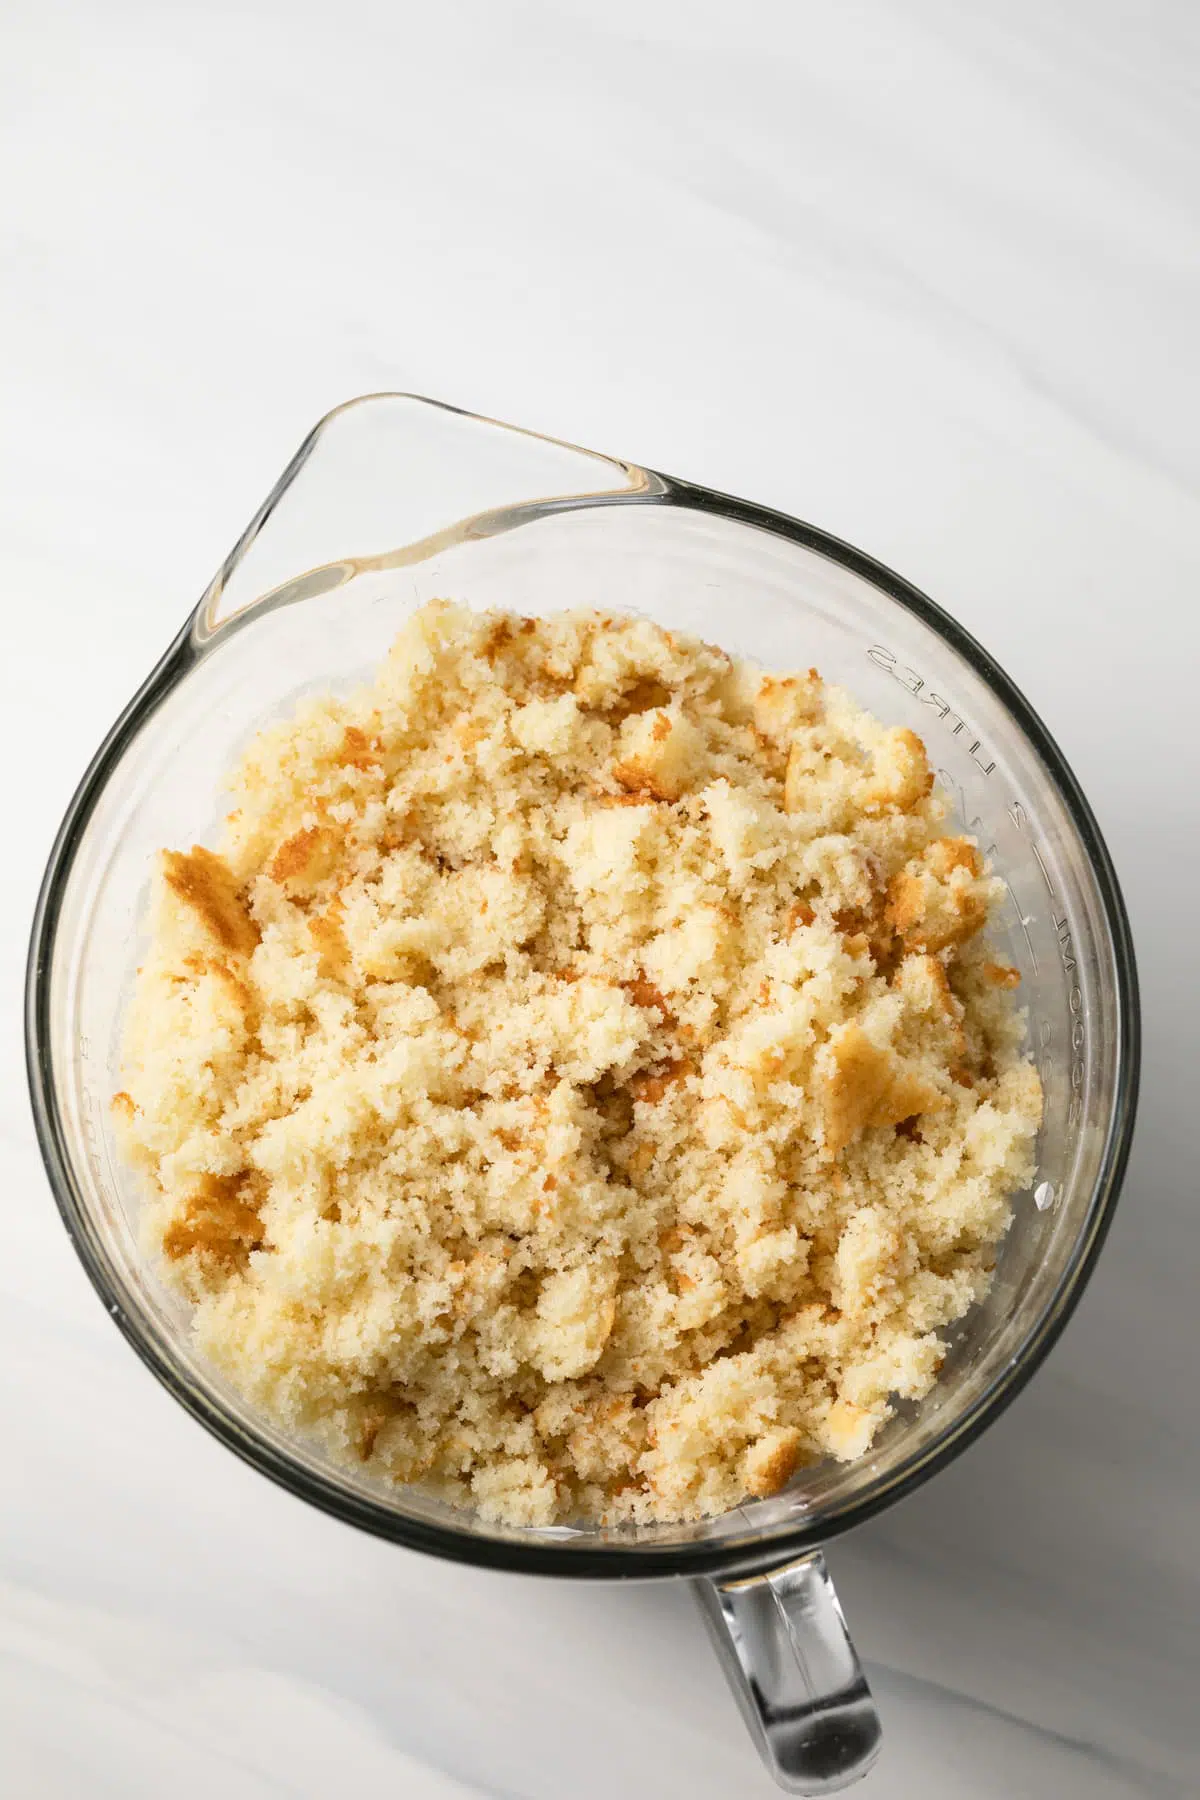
(928, 275)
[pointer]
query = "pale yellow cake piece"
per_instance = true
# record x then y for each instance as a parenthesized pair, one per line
(577, 1080)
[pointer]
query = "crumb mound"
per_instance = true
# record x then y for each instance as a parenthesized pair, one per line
(577, 1081)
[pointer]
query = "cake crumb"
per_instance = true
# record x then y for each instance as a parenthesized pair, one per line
(205, 883)
(578, 1078)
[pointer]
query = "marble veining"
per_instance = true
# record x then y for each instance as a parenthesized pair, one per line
(928, 276)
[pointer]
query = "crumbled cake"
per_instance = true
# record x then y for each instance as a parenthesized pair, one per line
(578, 1080)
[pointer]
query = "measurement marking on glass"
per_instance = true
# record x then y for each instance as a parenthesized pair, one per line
(1037, 857)
(909, 679)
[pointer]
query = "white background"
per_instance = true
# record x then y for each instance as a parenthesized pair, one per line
(928, 275)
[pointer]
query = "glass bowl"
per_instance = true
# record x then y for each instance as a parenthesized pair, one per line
(393, 500)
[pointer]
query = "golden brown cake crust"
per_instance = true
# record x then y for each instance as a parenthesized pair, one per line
(577, 1079)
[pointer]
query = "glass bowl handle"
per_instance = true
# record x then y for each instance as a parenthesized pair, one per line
(787, 1654)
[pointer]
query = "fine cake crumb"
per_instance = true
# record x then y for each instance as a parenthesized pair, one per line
(577, 1080)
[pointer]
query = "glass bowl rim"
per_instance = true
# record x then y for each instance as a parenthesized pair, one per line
(591, 1560)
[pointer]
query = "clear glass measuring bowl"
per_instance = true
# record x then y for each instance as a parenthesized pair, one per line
(391, 501)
